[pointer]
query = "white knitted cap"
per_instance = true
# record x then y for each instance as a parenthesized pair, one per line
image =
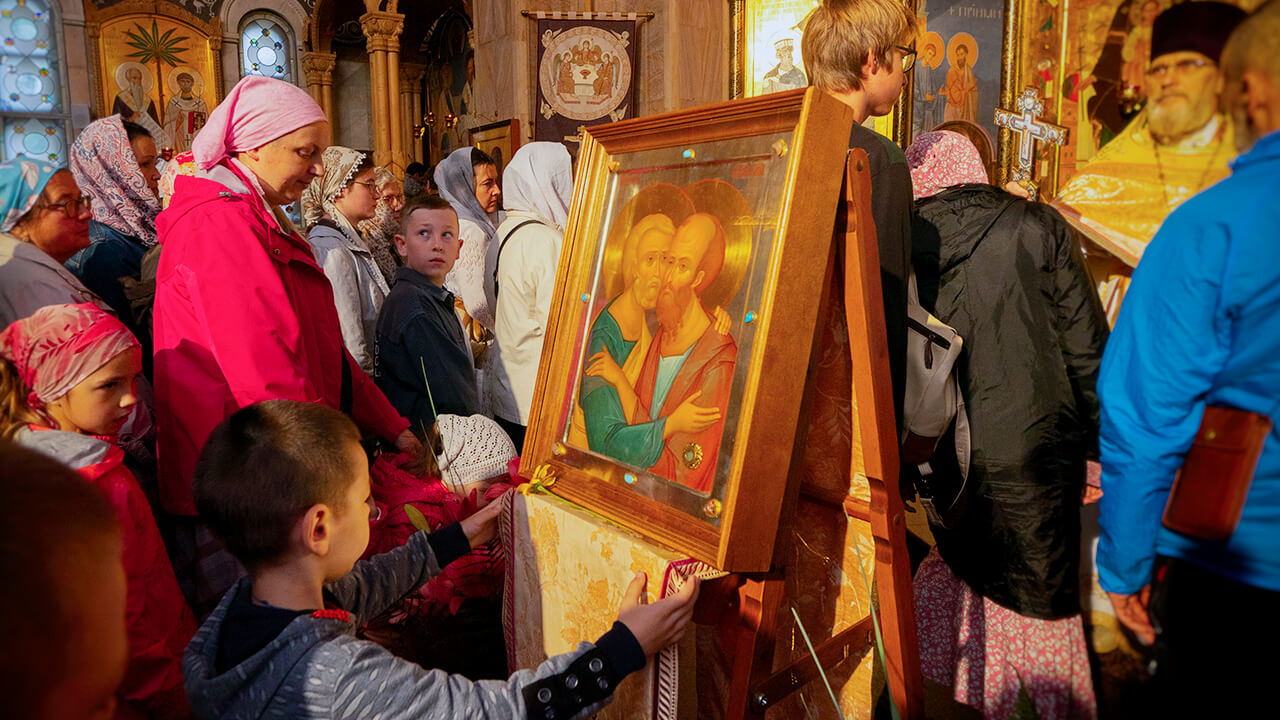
(475, 449)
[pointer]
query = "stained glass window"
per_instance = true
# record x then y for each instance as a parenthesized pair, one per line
(264, 48)
(31, 112)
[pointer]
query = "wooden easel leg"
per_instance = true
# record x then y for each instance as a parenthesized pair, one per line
(759, 601)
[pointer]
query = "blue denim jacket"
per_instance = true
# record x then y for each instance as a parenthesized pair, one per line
(110, 256)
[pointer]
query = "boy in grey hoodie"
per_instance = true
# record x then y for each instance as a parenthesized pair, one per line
(286, 484)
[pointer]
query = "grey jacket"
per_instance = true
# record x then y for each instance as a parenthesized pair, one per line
(317, 668)
(358, 287)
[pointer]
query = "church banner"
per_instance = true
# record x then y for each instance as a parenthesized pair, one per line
(586, 73)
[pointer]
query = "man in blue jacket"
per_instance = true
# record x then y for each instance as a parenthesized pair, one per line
(1201, 326)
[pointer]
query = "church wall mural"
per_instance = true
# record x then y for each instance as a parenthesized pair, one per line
(958, 68)
(203, 9)
(158, 72)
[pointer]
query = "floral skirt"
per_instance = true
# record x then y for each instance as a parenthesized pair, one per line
(988, 653)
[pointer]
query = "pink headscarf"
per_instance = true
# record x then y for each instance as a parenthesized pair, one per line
(941, 159)
(257, 111)
(58, 346)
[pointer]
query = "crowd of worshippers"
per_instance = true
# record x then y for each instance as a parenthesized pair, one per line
(213, 418)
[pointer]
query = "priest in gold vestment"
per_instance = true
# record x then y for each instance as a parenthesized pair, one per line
(1176, 147)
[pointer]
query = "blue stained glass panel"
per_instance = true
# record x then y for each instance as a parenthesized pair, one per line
(261, 56)
(28, 58)
(35, 138)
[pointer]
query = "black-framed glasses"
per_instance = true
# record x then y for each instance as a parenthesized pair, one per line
(1182, 67)
(908, 58)
(71, 208)
(373, 186)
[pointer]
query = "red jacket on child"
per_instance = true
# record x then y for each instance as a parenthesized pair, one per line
(159, 623)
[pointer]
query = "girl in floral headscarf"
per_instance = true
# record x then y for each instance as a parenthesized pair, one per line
(335, 202)
(380, 232)
(67, 377)
(999, 595)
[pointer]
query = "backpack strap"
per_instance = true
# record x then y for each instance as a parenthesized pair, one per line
(502, 245)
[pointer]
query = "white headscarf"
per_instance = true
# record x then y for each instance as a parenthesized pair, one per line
(539, 180)
(340, 166)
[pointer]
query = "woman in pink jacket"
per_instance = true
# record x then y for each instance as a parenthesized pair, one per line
(242, 311)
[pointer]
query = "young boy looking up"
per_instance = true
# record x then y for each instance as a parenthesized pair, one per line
(859, 51)
(420, 340)
(286, 485)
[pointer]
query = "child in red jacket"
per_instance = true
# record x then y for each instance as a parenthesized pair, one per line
(66, 388)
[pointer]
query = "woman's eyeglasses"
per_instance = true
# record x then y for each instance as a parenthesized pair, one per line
(72, 207)
(908, 58)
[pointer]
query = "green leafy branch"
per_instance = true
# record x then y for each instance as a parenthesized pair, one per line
(161, 48)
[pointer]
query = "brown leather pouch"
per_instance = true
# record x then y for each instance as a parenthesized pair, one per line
(1209, 492)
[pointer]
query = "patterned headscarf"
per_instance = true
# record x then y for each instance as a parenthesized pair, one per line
(256, 111)
(380, 231)
(21, 182)
(539, 180)
(181, 164)
(105, 168)
(941, 159)
(457, 182)
(58, 346)
(340, 164)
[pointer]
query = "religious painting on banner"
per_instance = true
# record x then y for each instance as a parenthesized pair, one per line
(668, 398)
(586, 73)
(159, 72)
(500, 140)
(957, 75)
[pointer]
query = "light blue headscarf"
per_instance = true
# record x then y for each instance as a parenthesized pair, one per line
(457, 183)
(21, 182)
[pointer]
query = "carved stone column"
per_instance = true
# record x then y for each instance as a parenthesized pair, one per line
(382, 31)
(411, 76)
(318, 69)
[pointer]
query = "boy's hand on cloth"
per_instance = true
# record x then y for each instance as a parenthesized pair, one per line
(481, 527)
(657, 625)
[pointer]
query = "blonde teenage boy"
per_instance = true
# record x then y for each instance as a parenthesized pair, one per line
(860, 51)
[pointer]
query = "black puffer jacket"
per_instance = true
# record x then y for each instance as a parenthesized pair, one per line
(1007, 274)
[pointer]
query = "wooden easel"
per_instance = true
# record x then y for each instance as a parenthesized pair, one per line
(757, 599)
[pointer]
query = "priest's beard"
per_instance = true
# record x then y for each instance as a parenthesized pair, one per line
(671, 306)
(1179, 115)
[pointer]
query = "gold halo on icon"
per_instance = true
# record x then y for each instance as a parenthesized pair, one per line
(197, 81)
(656, 199)
(122, 82)
(965, 39)
(933, 40)
(726, 203)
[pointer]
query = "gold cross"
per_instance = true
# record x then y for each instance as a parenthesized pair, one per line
(1029, 129)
